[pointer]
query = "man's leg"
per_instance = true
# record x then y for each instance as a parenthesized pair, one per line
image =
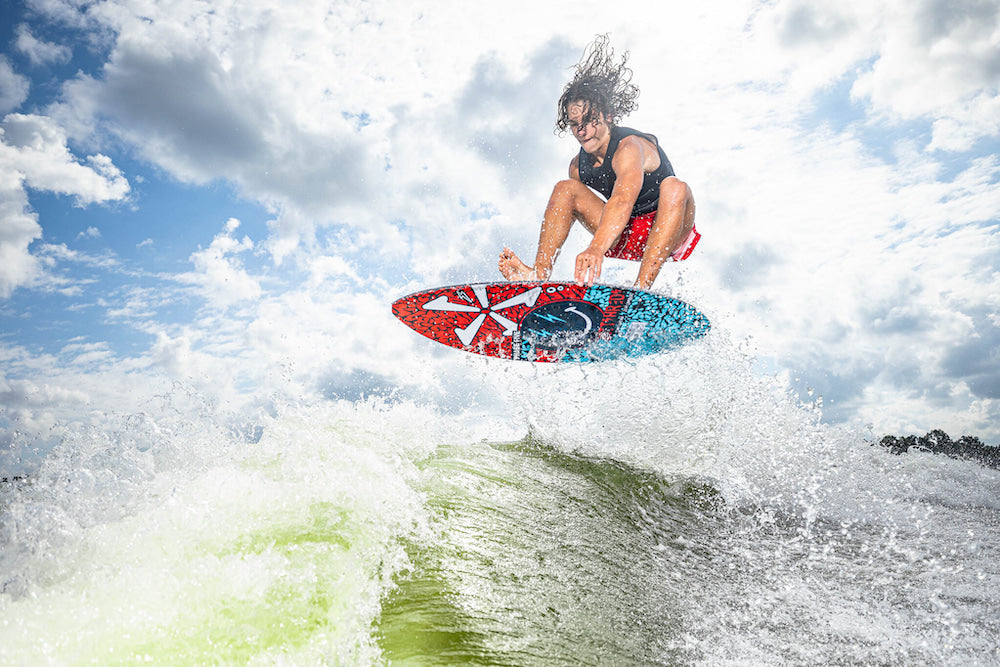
(673, 224)
(571, 200)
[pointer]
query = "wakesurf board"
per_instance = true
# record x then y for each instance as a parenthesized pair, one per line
(551, 321)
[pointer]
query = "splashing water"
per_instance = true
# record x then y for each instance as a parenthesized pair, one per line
(679, 509)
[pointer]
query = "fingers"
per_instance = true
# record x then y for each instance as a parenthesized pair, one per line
(596, 271)
(588, 268)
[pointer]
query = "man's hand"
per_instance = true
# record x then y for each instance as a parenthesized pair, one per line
(588, 266)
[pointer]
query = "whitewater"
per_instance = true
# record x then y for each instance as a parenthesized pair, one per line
(679, 509)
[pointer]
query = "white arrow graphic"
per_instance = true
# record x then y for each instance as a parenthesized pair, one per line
(442, 303)
(527, 298)
(482, 295)
(468, 334)
(508, 325)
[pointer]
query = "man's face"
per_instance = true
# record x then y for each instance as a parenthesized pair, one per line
(590, 133)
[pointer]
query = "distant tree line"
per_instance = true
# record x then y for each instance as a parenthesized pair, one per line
(967, 447)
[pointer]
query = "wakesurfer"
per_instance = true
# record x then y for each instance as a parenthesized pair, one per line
(646, 213)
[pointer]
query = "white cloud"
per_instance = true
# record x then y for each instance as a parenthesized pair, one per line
(87, 354)
(257, 99)
(325, 267)
(38, 51)
(32, 405)
(805, 46)
(34, 154)
(938, 59)
(35, 146)
(18, 228)
(13, 87)
(136, 306)
(175, 356)
(934, 60)
(219, 275)
(961, 132)
(53, 253)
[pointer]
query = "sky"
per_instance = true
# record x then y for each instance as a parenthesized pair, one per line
(225, 197)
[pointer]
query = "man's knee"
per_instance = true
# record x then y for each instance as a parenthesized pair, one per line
(568, 187)
(567, 194)
(675, 192)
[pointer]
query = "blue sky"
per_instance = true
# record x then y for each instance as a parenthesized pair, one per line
(229, 195)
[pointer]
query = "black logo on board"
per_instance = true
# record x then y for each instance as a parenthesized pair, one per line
(561, 325)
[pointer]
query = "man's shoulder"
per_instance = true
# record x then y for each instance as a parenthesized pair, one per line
(635, 152)
(630, 147)
(628, 134)
(574, 167)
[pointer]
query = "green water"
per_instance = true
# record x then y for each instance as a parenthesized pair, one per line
(543, 559)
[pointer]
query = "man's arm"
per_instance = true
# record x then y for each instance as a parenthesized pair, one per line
(628, 165)
(574, 168)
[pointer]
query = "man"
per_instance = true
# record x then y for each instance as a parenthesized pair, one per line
(648, 215)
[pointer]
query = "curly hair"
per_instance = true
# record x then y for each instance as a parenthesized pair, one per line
(599, 82)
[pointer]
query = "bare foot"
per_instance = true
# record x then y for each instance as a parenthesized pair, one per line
(513, 268)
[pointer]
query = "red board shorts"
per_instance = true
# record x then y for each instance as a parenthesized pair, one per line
(632, 242)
